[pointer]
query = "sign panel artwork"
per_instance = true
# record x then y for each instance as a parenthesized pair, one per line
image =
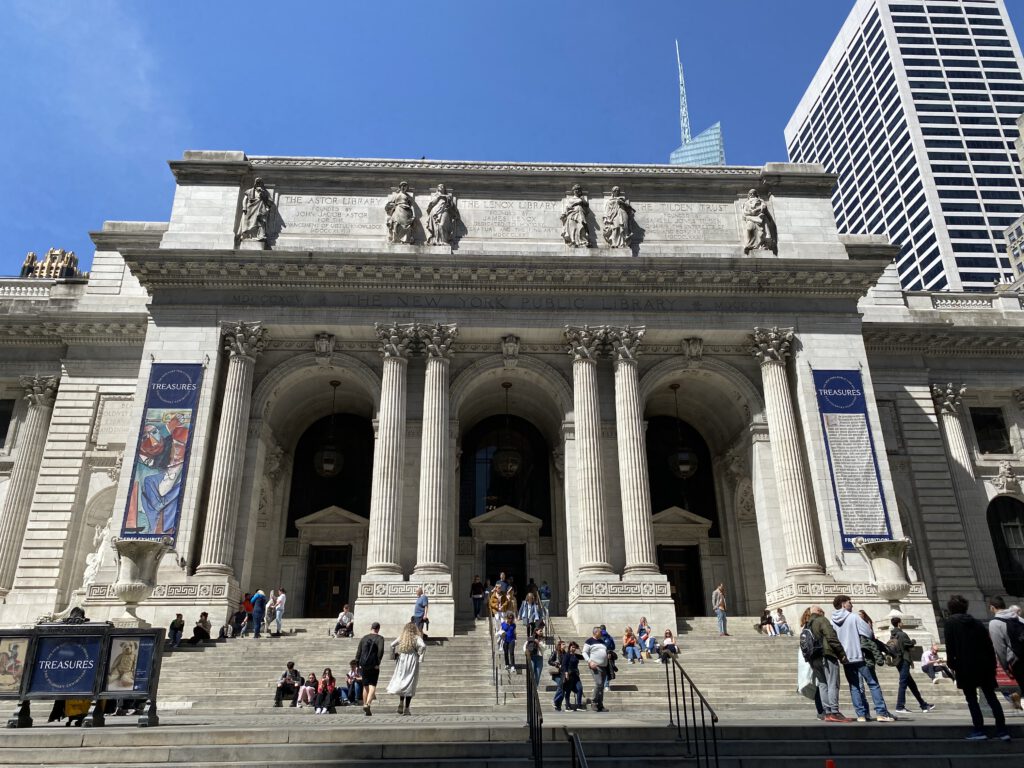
(13, 652)
(852, 461)
(66, 666)
(162, 452)
(130, 662)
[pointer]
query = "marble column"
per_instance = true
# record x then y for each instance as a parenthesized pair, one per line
(382, 554)
(948, 399)
(244, 343)
(633, 479)
(433, 529)
(585, 343)
(40, 391)
(772, 348)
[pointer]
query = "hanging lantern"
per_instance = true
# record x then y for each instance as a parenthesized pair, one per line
(328, 458)
(682, 461)
(507, 459)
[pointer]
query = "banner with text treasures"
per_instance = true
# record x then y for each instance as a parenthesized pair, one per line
(852, 462)
(162, 452)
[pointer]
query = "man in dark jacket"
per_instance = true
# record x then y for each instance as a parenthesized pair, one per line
(826, 666)
(903, 643)
(970, 655)
(288, 685)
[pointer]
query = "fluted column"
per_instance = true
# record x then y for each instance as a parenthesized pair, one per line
(40, 391)
(633, 478)
(772, 348)
(948, 398)
(244, 343)
(585, 343)
(389, 456)
(433, 527)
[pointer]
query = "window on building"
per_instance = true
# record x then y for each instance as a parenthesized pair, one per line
(6, 413)
(990, 430)
(1006, 527)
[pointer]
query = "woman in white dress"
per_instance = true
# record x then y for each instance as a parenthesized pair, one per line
(410, 647)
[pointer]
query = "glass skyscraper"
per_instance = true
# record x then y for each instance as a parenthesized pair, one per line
(914, 107)
(707, 147)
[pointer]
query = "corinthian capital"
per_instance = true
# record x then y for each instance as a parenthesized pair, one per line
(395, 338)
(437, 339)
(584, 342)
(40, 390)
(625, 342)
(947, 397)
(244, 339)
(772, 344)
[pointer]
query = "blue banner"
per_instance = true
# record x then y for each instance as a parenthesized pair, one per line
(160, 465)
(66, 665)
(852, 461)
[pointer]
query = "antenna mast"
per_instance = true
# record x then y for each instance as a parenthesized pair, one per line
(684, 113)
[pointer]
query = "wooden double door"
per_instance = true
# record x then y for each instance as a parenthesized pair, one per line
(681, 564)
(327, 581)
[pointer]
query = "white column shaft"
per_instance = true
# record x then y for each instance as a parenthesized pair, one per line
(633, 477)
(431, 554)
(801, 553)
(590, 476)
(388, 458)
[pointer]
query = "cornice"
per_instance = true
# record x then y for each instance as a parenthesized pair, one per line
(944, 342)
(123, 331)
(595, 275)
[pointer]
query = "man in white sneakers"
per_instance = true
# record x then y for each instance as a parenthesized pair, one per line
(849, 627)
(595, 652)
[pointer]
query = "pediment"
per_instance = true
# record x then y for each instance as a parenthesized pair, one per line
(679, 516)
(331, 516)
(505, 516)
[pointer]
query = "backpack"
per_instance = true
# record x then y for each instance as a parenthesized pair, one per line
(1015, 636)
(894, 649)
(531, 647)
(369, 656)
(811, 646)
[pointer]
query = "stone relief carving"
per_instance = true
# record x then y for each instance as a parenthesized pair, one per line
(244, 339)
(257, 207)
(575, 212)
(1006, 481)
(947, 397)
(40, 390)
(323, 348)
(114, 472)
(772, 344)
(395, 338)
(585, 342)
(558, 457)
(100, 541)
(510, 350)
(693, 348)
(437, 339)
(1018, 396)
(625, 342)
(401, 211)
(758, 225)
(442, 217)
(275, 462)
(618, 226)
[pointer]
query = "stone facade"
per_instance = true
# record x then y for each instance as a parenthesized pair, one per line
(419, 339)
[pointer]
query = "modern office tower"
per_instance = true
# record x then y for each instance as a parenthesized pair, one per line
(914, 107)
(1015, 232)
(708, 147)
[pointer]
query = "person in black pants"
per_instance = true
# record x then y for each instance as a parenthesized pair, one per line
(288, 685)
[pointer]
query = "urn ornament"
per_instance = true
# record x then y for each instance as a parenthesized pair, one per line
(888, 563)
(137, 563)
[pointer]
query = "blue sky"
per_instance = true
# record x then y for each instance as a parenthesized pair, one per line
(98, 95)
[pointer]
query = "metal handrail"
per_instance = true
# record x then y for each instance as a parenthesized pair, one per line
(686, 726)
(494, 656)
(534, 713)
(577, 758)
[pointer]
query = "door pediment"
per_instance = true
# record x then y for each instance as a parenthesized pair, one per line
(331, 525)
(505, 522)
(680, 516)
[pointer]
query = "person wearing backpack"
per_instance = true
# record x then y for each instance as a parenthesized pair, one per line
(369, 655)
(902, 643)
(1007, 632)
(822, 650)
(972, 658)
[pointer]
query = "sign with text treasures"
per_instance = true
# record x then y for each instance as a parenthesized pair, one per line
(852, 461)
(162, 453)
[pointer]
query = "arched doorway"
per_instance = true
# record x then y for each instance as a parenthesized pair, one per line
(1006, 526)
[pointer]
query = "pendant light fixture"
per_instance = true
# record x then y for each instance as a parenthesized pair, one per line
(681, 460)
(328, 458)
(507, 459)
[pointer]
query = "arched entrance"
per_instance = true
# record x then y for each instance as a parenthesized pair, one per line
(1006, 526)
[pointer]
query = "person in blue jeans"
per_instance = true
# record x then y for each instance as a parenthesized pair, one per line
(259, 611)
(903, 644)
(849, 627)
(719, 607)
(569, 677)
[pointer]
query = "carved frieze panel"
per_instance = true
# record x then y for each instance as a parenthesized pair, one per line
(404, 589)
(163, 592)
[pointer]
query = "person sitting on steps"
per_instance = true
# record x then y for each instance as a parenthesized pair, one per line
(288, 685)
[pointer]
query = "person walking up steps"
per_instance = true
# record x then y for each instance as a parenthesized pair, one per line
(719, 607)
(369, 655)
(973, 660)
(1007, 633)
(410, 647)
(901, 642)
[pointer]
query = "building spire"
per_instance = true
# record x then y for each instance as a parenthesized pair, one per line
(684, 113)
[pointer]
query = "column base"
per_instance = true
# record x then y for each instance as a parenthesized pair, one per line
(620, 604)
(214, 570)
(391, 603)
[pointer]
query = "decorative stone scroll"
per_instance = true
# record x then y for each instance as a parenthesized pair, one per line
(625, 342)
(40, 390)
(395, 338)
(586, 342)
(772, 344)
(437, 339)
(948, 397)
(244, 339)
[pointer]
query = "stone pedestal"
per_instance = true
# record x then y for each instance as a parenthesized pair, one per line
(392, 603)
(137, 564)
(618, 604)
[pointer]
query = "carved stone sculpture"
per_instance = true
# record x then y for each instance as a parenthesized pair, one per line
(625, 342)
(401, 211)
(758, 225)
(395, 339)
(618, 227)
(137, 562)
(947, 397)
(889, 573)
(585, 342)
(575, 211)
(442, 217)
(772, 344)
(100, 541)
(1006, 481)
(437, 339)
(694, 350)
(510, 350)
(256, 207)
(244, 339)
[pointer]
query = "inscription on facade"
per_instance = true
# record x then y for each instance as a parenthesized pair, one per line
(332, 214)
(113, 420)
